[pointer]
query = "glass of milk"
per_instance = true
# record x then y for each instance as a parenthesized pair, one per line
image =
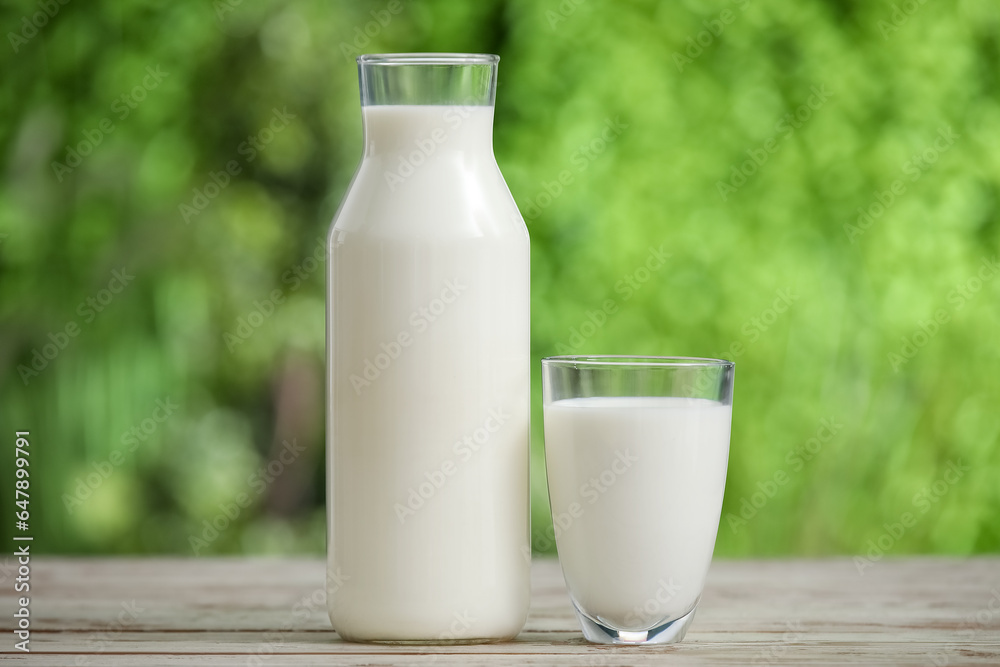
(636, 450)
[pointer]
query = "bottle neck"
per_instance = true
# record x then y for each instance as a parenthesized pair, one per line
(423, 104)
(427, 78)
(420, 133)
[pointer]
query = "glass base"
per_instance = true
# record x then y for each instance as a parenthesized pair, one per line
(432, 642)
(668, 633)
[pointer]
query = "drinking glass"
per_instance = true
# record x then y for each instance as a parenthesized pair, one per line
(636, 450)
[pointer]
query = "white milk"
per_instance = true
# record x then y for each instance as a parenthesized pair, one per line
(636, 486)
(428, 411)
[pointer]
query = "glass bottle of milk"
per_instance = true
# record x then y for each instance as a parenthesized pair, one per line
(427, 366)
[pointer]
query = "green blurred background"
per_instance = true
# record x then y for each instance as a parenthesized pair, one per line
(742, 138)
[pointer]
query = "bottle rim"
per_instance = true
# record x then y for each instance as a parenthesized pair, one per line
(428, 59)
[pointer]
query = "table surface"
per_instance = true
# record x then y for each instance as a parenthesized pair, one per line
(915, 611)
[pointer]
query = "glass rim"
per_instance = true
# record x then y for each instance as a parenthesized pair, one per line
(428, 59)
(635, 361)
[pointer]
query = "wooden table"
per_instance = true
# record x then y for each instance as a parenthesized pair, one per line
(916, 611)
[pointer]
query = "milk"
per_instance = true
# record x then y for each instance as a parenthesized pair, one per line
(428, 386)
(636, 487)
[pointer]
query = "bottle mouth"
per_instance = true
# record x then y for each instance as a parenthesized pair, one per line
(428, 59)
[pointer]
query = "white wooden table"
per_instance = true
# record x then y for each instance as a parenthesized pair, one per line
(915, 611)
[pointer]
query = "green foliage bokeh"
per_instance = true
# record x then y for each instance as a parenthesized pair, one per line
(782, 153)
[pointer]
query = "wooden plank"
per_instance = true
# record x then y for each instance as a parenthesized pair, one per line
(254, 611)
(260, 595)
(682, 656)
